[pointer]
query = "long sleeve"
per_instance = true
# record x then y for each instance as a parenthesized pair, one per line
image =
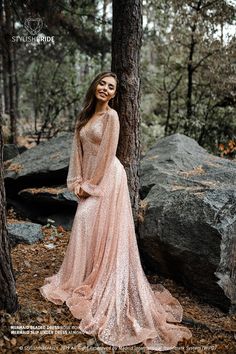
(106, 153)
(74, 176)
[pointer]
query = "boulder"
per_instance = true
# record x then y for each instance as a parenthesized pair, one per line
(188, 229)
(41, 204)
(43, 165)
(10, 151)
(49, 196)
(25, 232)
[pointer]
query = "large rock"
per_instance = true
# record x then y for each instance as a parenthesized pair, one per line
(25, 232)
(42, 204)
(35, 183)
(189, 225)
(42, 165)
(10, 151)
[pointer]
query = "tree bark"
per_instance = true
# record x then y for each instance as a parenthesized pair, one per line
(5, 93)
(169, 100)
(190, 75)
(104, 12)
(8, 296)
(126, 44)
(10, 71)
(190, 69)
(16, 87)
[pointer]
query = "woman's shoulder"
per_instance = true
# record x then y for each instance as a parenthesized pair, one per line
(112, 112)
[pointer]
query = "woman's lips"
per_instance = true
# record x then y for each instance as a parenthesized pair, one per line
(102, 94)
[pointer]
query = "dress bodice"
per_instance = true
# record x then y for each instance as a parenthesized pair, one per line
(93, 152)
(91, 135)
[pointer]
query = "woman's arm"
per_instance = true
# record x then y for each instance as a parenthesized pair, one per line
(105, 155)
(74, 176)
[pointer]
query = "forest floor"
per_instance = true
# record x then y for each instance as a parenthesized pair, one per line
(213, 331)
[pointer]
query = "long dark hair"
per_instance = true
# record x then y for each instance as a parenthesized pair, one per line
(90, 100)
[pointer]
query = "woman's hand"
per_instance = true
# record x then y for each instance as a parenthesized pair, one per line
(80, 193)
(83, 194)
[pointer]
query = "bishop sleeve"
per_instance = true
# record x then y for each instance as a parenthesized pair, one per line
(106, 154)
(74, 176)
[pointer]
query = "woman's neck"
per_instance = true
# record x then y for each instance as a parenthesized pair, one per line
(101, 107)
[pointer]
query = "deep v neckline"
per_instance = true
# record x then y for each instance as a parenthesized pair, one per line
(96, 116)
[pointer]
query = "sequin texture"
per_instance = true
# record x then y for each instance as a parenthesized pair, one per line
(101, 277)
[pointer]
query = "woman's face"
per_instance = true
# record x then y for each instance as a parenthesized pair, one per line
(106, 89)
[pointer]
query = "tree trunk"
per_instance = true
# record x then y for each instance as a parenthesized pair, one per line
(169, 99)
(190, 69)
(126, 44)
(190, 77)
(10, 71)
(104, 12)
(5, 93)
(15, 77)
(8, 296)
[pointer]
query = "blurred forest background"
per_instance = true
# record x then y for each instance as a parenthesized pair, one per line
(188, 68)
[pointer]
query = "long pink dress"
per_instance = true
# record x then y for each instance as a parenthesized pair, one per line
(101, 278)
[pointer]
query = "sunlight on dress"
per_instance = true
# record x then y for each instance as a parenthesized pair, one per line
(101, 278)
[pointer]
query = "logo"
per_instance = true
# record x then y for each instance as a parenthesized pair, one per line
(33, 25)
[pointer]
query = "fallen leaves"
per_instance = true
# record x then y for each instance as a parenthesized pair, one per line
(213, 331)
(16, 167)
(228, 149)
(198, 170)
(142, 210)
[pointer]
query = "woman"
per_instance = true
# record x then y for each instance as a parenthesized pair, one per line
(101, 278)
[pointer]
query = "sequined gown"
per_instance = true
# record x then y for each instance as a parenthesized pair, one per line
(101, 278)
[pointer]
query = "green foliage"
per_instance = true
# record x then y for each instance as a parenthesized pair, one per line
(189, 68)
(54, 77)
